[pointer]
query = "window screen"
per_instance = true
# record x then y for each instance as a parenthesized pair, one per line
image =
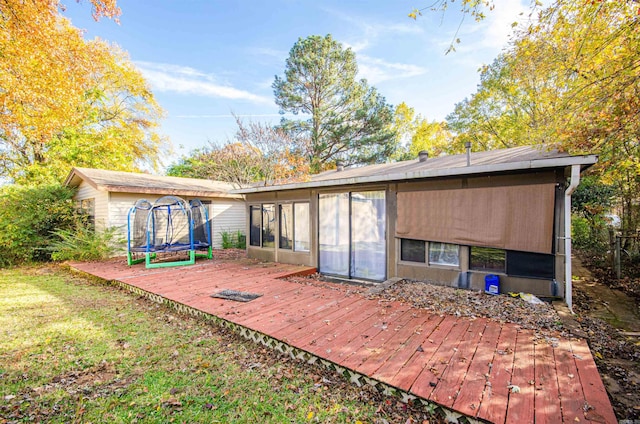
(509, 217)
(412, 250)
(301, 224)
(255, 224)
(532, 265)
(268, 225)
(286, 226)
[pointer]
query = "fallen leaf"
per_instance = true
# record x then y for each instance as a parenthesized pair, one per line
(513, 388)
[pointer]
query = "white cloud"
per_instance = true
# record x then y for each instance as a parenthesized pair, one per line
(185, 80)
(371, 31)
(495, 30)
(377, 70)
(269, 52)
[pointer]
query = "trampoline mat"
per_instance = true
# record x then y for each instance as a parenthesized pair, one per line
(238, 296)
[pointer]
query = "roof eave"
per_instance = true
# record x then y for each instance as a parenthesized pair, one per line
(76, 175)
(584, 161)
(169, 191)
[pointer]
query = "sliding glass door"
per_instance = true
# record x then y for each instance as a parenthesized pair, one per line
(334, 234)
(352, 229)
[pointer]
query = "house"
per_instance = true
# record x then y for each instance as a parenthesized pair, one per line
(448, 220)
(107, 196)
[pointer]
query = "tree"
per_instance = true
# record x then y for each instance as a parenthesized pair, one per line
(502, 113)
(28, 218)
(67, 101)
(415, 134)
(475, 8)
(348, 120)
(571, 79)
(258, 152)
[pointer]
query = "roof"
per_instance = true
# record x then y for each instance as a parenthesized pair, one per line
(131, 182)
(513, 159)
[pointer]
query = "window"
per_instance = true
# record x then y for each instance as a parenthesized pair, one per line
(268, 225)
(255, 224)
(294, 227)
(286, 226)
(444, 254)
(301, 227)
(87, 208)
(488, 259)
(412, 250)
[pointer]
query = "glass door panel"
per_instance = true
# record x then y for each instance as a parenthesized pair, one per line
(334, 234)
(368, 246)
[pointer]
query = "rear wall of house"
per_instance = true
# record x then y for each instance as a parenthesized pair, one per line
(226, 215)
(458, 273)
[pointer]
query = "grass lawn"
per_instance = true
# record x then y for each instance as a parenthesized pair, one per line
(76, 351)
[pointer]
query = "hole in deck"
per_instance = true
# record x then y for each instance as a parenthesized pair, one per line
(238, 296)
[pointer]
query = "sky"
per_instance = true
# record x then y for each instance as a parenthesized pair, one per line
(207, 59)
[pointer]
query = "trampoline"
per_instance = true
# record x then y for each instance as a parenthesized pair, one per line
(159, 231)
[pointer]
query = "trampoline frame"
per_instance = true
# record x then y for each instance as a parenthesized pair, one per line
(151, 250)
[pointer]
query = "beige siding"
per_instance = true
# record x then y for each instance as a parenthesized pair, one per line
(101, 198)
(227, 215)
(119, 205)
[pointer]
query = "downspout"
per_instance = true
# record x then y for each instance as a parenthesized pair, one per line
(568, 284)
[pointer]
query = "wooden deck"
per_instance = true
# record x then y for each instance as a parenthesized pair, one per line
(474, 368)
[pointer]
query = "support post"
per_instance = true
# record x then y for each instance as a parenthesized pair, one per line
(568, 283)
(617, 258)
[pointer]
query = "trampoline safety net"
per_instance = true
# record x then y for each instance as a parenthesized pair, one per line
(170, 224)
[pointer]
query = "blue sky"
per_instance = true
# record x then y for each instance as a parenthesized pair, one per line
(206, 59)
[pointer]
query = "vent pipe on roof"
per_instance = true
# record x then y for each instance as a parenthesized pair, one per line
(423, 155)
(339, 166)
(467, 145)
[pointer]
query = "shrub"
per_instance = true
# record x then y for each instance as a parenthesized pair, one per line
(86, 244)
(580, 232)
(233, 240)
(241, 240)
(28, 218)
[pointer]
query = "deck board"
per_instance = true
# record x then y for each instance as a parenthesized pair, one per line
(476, 387)
(520, 408)
(480, 368)
(451, 379)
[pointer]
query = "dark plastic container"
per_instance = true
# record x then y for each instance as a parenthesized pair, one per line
(492, 284)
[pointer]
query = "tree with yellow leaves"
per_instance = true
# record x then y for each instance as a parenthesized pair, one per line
(571, 79)
(66, 101)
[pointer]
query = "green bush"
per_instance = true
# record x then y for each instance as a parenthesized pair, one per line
(241, 240)
(28, 218)
(580, 232)
(86, 244)
(233, 240)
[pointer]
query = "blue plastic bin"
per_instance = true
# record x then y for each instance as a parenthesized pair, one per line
(492, 284)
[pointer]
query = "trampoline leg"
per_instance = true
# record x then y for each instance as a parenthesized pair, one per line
(208, 255)
(190, 261)
(132, 261)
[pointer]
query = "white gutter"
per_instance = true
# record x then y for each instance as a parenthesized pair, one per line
(568, 284)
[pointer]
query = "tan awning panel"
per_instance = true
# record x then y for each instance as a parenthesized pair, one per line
(513, 217)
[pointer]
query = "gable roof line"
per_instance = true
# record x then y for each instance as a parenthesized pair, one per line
(560, 162)
(148, 184)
